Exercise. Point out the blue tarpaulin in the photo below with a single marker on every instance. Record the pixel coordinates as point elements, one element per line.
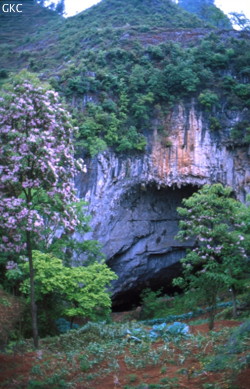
<point>158,331</point>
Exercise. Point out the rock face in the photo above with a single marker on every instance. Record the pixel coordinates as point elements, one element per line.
<point>133,199</point>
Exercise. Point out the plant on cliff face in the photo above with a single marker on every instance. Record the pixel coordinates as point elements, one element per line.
<point>117,94</point>
<point>208,99</point>
<point>218,224</point>
<point>37,168</point>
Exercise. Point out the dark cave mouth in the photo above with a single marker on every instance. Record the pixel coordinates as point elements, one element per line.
<point>130,299</point>
<point>155,220</point>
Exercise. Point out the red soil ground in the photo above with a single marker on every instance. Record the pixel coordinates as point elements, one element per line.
<point>15,371</point>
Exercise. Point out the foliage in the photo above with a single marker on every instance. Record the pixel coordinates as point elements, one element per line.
<point>37,170</point>
<point>206,10</point>
<point>194,5</point>
<point>145,13</point>
<point>216,222</point>
<point>99,351</point>
<point>11,309</point>
<point>57,5</point>
<point>228,354</point>
<point>37,165</point>
<point>64,325</point>
<point>241,128</point>
<point>214,124</point>
<point>81,290</point>
<point>169,318</point>
<point>240,20</point>
<point>235,343</point>
<point>208,99</point>
<point>60,7</point>
<point>151,304</point>
<point>147,82</point>
<point>118,73</point>
<point>158,308</point>
<point>3,73</point>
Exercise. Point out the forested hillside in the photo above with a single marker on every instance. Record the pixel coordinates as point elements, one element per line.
<point>124,183</point>
<point>121,65</point>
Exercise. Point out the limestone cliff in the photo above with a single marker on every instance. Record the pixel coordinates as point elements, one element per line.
<point>133,199</point>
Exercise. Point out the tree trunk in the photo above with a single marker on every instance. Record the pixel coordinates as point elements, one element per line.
<point>212,312</point>
<point>233,292</point>
<point>32,291</point>
<point>211,319</point>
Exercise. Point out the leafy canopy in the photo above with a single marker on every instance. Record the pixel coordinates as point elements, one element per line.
<point>37,169</point>
<point>82,288</point>
<point>37,165</point>
<point>217,224</point>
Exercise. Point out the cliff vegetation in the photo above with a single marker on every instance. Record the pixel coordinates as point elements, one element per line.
<point>123,66</point>
<point>165,88</point>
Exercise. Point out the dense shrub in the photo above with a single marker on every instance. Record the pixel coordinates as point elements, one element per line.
<point>11,309</point>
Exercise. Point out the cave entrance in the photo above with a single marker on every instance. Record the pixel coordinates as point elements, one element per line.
<point>147,254</point>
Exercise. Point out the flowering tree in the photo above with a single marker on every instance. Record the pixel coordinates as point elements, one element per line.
<point>216,221</point>
<point>37,169</point>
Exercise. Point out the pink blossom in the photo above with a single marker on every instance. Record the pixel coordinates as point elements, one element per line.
<point>11,265</point>
<point>32,138</point>
<point>37,158</point>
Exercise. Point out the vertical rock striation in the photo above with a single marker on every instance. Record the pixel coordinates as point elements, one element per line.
<point>133,199</point>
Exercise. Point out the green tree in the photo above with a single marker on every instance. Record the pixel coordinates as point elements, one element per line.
<point>206,10</point>
<point>180,78</point>
<point>37,169</point>
<point>81,290</point>
<point>240,20</point>
<point>194,6</point>
<point>60,7</point>
<point>216,222</point>
<point>208,99</point>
